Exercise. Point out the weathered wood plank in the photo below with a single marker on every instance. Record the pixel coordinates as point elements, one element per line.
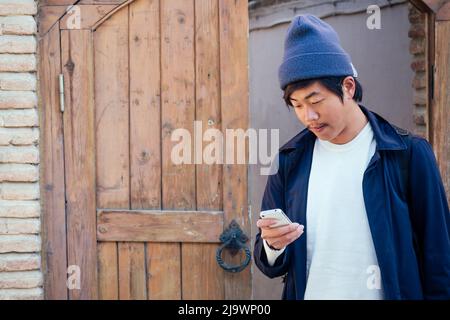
<point>178,105</point>
<point>444,12</point>
<point>427,6</point>
<point>89,15</point>
<point>439,8</point>
<point>132,281</point>
<point>440,111</point>
<point>163,271</point>
<point>77,61</point>
<point>112,129</point>
<point>56,2</point>
<point>112,112</point>
<point>178,110</point>
<point>102,1</point>
<point>145,117</point>
<point>209,176</point>
<point>429,59</point>
<point>108,286</point>
<point>48,18</point>
<point>159,226</point>
<point>234,100</point>
<point>124,4</point>
<point>433,5</point>
<point>54,257</point>
<point>145,105</point>
<point>202,277</point>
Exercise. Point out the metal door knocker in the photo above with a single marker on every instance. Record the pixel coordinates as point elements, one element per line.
<point>233,239</point>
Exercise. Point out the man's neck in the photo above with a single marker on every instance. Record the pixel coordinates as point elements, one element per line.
<point>356,121</point>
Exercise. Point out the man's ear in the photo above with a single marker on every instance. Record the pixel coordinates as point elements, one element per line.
<point>349,87</point>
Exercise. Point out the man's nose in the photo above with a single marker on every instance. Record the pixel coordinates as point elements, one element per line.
<point>311,115</point>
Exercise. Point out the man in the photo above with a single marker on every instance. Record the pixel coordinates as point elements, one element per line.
<point>369,210</point>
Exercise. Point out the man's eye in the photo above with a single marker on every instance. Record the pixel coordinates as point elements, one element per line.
<point>318,102</point>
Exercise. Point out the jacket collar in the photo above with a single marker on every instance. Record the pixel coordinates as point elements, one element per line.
<point>387,136</point>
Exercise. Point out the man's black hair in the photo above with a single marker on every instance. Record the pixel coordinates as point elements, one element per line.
<point>334,84</point>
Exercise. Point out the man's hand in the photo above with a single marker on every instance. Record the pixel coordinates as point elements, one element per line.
<point>281,236</point>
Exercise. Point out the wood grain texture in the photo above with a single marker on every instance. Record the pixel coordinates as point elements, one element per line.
<point>159,65</point>
<point>89,15</point>
<point>112,112</point>
<point>202,277</point>
<point>112,131</point>
<point>145,117</point>
<point>163,271</point>
<point>429,72</point>
<point>132,281</point>
<point>444,12</point>
<point>118,7</point>
<point>145,105</point>
<point>178,99</point>
<point>424,5</point>
<point>178,112</point>
<point>77,61</point>
<point>56,2</point>
<point>162,226</point>
<point>233,27</point>
<point>49,17</point>
<point>108,285</point>
<point>54,259</point>
<point>440,111</point>
<point>102,1</point>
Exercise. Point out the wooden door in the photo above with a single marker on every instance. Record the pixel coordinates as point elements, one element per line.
<point>437,33</point>
<point>136,225</point>
<point>440,112</point>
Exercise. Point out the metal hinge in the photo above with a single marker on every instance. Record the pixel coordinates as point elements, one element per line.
<point>61,92</point>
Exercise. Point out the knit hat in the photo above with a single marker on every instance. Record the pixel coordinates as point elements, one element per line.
<point>312,50</point>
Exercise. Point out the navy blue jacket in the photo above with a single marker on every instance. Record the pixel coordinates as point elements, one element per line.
<point>409,221</point>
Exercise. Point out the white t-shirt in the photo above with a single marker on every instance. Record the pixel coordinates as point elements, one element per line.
<point>341,259</point>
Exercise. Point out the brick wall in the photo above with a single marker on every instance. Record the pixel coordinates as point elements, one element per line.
<point>20,262</point>
<point>418,50</point>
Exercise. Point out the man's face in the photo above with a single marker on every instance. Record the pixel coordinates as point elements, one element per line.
<point>321,111</point>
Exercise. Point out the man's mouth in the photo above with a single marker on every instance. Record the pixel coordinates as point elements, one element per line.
<point>317,128</point>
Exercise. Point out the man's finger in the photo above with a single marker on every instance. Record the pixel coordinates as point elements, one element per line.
<point>279,231</point>
<point>286,238</point>
<point>264,223</point>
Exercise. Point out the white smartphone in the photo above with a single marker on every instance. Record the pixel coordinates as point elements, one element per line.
<point>277,214</point>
